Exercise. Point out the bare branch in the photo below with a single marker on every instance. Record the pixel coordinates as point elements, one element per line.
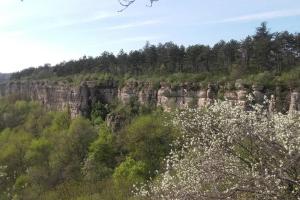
<point>151,2</point>
<point>127,3</point>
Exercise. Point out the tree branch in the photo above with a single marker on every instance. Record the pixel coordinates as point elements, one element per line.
<point>127,3</point>
<point>151,3</point>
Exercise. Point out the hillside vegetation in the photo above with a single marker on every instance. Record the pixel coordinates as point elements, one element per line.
<point>47,155</point>
<point>214,152</point>
<point>217,152</point>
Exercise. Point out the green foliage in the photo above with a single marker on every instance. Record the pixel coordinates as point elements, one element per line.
<point>80,135</point>
<point>148,139</point>
<point>13,146</point>
<point>75,148</point>
<point>129,173</point>
<point>99,112</point>
<point>101,160</point>
<point>102,149</point>
<point>48,155</point>
<point>38,151</point>
<point>263,52</point>
<point>291,77</point>
<point>61,121</point>
<point>13,114</point>
<point>264,78</point>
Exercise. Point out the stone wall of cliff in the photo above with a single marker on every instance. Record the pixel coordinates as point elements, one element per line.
<point>62,96</point>
<point>79,99</point>
<point>4,77</point>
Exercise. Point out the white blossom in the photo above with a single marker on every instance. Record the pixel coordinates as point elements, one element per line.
<point>229,153</point>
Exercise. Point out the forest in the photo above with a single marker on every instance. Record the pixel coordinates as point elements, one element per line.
<point>218,152</point>
<point>48,155</point>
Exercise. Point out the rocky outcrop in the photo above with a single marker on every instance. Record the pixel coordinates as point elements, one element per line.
<point>143,92</point>
<point>116,121</point>
<point>4,77</point>
<point>258,93</point>
<point>78,99</point>
<point>181,96</point>
<point>62,96</point>
<point>295,101</point>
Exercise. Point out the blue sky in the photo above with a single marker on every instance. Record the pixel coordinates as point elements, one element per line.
<point>35,32</point>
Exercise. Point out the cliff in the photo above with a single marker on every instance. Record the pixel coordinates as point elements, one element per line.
<point>61,96</point>
<point>79,99</point>
<point>4,77</point>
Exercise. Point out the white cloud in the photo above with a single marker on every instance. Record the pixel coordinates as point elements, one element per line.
<point>259,16</point>
<point>133,25</point>
<point>70,22</point>
<point>60,22</point>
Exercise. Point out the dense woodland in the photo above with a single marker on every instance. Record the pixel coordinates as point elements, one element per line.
<point>264,52</point>
<point>219,152</point>
<point>46,155</point>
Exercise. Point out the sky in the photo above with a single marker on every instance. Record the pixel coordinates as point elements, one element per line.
<point>36,32</point>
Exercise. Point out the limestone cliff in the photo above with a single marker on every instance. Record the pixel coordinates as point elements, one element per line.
<point>62,96</point>
<point>78,99</point>
<point>4,77</point>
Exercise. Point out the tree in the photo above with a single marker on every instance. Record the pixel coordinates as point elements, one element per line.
<point>148,139</point>
<point>13,147</point>
<point>246,52</point>
<point>70,149</point>
<point>264,51</point>
<point>129,173</point>
<point>136,58</point>
<point>101,159</point>
<point>218,56</point>
<point>123,63</point>
<point>284,47</point>
<point>229,153</point>
<point>197,58</point>
<point>151,56</point>
<point>263,47</point>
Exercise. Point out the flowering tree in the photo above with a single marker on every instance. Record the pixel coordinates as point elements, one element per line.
<point>229,153</point>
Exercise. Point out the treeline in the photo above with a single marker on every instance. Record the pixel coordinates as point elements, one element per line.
<point>264,51</point>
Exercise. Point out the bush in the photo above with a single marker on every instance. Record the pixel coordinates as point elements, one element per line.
<point>148,139</point>
<point>101,159</point>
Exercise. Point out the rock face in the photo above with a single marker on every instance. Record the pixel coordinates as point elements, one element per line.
<point>4,77</point>
<point>78,100</point>
<point>61,96</point>
<point>295,101</point>
<point>143,92</point>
